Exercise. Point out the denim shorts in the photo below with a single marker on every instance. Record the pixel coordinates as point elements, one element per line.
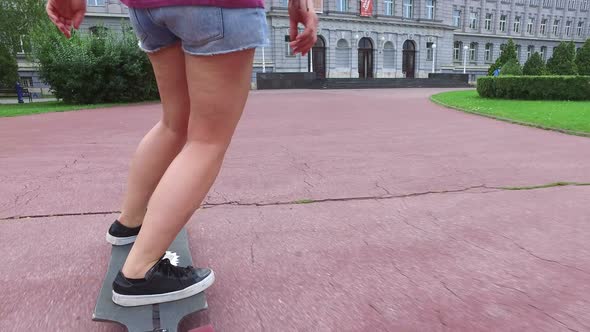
<point>202,30</point>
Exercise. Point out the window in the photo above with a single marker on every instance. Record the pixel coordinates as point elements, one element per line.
<point>518,52</point>
<point>389,7</point>
<point>580,28</point>
<point>474,20</point>
<point>529,51</point>
<point>318,5</point>
<point>568,28</point>
<point>543,52</point>
<point>473,52</point>
<point>408,8</point>
<point>343,54</point>
<point>457,50</point>
<point>503,23</point>
<point>26,81</point>
<point>530,27</point>
<point>430,7</point>
<point>96,3</point>
<point>488,24</point>
<point>342,5</point>
<point>516,27</point>
<point>457,18</point>
<point>555,27</point>
<point>489,52</point>
<point>388,55</point>
<point>99,31</point>
<point>543,28</point>
<point>288,49</point>
<point>429,51</point>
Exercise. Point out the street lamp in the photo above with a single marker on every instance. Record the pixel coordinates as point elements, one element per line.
<point>433,57</point>
<point>466,48</point>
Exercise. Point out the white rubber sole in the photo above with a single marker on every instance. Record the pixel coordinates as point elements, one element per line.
<point>120,241</point>
<point>137,300</point>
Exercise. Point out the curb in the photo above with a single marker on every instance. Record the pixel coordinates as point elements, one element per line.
<point>522,123</point>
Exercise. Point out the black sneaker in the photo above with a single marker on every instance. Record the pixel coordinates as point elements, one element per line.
<point>120,235</point>
<point>164,282</point>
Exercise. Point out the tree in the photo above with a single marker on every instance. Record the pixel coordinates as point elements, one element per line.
<point>512,67</point>
<point>18,18</point>
<point>535,66</point>
<point>563,60</point>
<point>583,59</point>
<point>8,68</point>
<point>508,53</point>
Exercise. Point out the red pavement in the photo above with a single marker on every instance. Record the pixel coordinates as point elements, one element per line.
<point>462,258</point>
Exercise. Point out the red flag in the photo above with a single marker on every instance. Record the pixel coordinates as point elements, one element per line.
<point>366,7</point>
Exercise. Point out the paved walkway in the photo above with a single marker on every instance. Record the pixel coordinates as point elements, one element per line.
<point>26,100</point>
<point>409,230</point>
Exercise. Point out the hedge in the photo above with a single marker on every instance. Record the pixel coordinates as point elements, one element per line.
<point>105,67</point>
<point>535,87</point>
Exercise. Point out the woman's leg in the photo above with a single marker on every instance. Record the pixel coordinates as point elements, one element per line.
<point>165,140</point>
<point>218,88</point>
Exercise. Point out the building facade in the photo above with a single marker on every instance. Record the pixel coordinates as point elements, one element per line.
<point>399,38</point>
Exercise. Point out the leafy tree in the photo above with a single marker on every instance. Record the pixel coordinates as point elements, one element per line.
<point>563,60</point>
<point>17,19</point>
<point>508,53</point>
<point>512,67</point>
<point>583,59</point>
<point>535,66</point>
<point>8,68</point>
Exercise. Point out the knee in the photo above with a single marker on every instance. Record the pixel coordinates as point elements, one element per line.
<point>215,131</point>
<point>175,128</point>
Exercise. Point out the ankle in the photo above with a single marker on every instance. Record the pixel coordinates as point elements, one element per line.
<point>137,271</point>
<point>129,221</point>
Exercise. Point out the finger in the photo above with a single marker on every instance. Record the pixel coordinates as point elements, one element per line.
<point>53,17</point>
<point>78,18</point>
<point>306,44</point>
<point>293,30</point>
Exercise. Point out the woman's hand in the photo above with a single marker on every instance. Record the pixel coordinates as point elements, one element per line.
<point>302,11</point>
<point>66,14</point>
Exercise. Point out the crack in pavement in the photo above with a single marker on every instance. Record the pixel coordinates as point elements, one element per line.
<point>440,318</point>
<point>206,205</point>
<point>450,290</point>
<point>553,318</point>
<point>542,258</point>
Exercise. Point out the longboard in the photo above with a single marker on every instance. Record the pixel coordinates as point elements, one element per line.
<point>163,317</point>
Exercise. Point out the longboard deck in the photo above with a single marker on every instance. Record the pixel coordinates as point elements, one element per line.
<point>163,317</point>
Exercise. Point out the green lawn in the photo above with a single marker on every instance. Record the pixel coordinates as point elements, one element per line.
<point>568,116</point>
<point>8,110</point>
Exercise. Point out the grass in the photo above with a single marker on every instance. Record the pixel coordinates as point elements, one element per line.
<point>11,110</point>
<point>304,201</point>
<point>572,117</point>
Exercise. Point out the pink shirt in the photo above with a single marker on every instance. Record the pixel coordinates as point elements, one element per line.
<point>216,3</point>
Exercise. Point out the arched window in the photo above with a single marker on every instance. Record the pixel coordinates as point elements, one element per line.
<point>388,55</point>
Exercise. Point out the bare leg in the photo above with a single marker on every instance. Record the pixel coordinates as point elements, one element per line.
<point>218,87</point>
<point>159,147</point>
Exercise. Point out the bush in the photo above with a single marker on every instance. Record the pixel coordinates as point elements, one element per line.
<point>8,68</point>
<point>535,87</point>
<point>508,53</point>
<point>535,66</point>
<point>563,60</point>
<point>95,68</point>
<point>583,59</point>
<point>512,67</point>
